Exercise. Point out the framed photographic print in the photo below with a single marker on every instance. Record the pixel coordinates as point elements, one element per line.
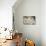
<point>29,20</point>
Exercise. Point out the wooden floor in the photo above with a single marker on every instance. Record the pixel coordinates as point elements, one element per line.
<point>9,43</point>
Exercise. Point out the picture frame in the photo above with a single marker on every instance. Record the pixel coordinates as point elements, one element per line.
<point>29,20</point>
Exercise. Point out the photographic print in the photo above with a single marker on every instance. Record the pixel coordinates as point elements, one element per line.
<point>29,20</point>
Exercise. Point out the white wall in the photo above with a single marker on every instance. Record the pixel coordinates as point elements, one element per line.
<point>29,8</point>
<point>43,22</point>
<point>6,13</point>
